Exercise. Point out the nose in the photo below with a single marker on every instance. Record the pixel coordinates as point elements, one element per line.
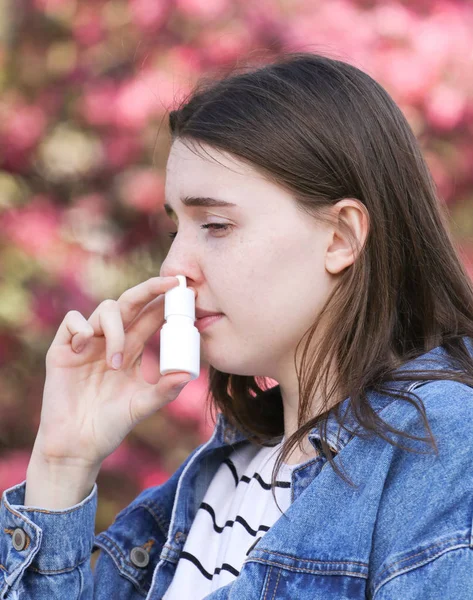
<point>177,265</point>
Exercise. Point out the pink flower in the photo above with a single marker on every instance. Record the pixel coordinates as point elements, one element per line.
<point>143,189</point>
<point>339,26</point>
<point>121,148</point>
<point>92,207</point>
<point>225,45</point>
<point>153,477</point>
<point>393,20</point>
<point>13,467</point>
<point>87,25</point>
<point>23,127</point>
<point>208,10</point>
<point>440,175</point>
<point>97,104</point>
<point>35,227</point>
<point>189,405</point>
<point>50,5</point>
<point>120,459</point>
<point>149,14</point>
<point>182,59</point>
<point>445,106</point>
<point>140,461</point>
<point>405,74</point>
<point>134,104</point>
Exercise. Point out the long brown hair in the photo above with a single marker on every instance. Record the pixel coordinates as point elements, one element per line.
<point>325,130</point>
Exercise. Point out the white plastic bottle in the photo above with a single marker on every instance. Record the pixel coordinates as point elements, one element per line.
<point>180,339</point>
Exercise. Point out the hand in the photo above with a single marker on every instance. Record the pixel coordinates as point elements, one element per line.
<point>88,406</point>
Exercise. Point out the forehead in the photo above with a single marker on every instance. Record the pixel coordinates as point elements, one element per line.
<point>190,168</point>
<point>201,171</point>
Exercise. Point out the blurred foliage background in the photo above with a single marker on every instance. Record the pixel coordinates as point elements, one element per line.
<point>85,87</point>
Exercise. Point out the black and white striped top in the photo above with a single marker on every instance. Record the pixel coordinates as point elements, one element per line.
<point>237,509</point>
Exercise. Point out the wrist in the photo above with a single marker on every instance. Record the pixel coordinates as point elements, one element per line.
<point>57,485</point>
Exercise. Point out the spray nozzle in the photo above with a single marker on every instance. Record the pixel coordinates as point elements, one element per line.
<point>180,300</point>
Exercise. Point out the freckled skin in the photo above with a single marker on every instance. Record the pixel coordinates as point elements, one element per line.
<point>269,273</point>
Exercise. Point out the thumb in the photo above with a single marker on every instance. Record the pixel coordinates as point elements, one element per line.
<point>158,395</point>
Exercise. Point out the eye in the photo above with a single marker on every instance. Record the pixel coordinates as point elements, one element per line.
<point>213,226</point>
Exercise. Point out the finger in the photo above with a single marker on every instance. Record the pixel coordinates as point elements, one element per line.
<point>106,320</point>
<point>158,395</point>
<point>74,330</point>
<point>147,323</point>
<point>133,300</point>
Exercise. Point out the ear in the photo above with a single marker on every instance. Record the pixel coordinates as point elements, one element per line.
<point>352,214</point>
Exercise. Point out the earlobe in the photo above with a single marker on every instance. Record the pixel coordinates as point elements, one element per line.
<point>339,259</point>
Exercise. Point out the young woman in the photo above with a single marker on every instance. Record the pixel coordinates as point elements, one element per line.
<point>306,220</point>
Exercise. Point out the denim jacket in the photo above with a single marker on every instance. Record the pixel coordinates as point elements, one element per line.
<point>402,532</point>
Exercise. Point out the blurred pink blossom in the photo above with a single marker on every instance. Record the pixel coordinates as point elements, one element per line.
<point>121,148</point>
<point>440,174</point>
<point>190,402</point>
<point>150,93</point>
<point>49,100</point>
<point>22,127</point>
<point>143,189</point>
<point>141,462</point>
<point>149,14</point>
<point>339,27</point>
<point>403,71</point>
<point>225,45</point>
<point>119,459</point>
<point>50,305</point>
<point>152,477</point>
<point>97,103</point>
<point>92,206</point>
<point>392,19</point>
<point>13,467</point>
<point>87,25</point>
<point>208,10</point>
<point>445,106</point>
<point>44,313</point>
<point>189,405</point>
<point>35,227</point>
<point>50,5</point>
<point>445,32</point>
<point>464,158</point>
<point>10,346</point>
<point>185,60</point>
<point>134,104</point>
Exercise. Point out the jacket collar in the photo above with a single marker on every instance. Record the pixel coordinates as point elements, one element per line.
<point>337,437</point>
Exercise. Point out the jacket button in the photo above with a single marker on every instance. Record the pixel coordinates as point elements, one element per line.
<point>139,557</point>
<point>19,539</point>
<point>179,536</point>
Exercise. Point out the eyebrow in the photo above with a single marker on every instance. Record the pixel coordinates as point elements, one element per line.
<point>199,201</point>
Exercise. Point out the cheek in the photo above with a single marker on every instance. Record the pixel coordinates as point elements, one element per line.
<point>279,277</point>
<point>289,281</point>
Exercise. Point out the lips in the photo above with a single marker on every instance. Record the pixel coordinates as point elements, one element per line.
<point>200,313</point>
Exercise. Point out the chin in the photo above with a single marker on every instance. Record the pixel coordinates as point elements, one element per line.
<point>229,366</point>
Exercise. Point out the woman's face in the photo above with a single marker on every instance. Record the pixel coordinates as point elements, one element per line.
<point>265,272</point>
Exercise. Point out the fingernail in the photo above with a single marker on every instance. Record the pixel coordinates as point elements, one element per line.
<point>182,384</point>
<point>117,360</point>
<point>80,348</point>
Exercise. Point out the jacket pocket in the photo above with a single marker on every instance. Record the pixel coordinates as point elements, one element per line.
<point>288,576</point>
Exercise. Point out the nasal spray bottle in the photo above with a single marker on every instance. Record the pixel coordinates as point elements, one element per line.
<point>180,339</point>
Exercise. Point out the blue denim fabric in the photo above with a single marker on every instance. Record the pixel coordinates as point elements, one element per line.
<point>403,533</point>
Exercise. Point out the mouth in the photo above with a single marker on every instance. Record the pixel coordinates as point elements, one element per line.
<point>200,313</point>
<point>208,320</point>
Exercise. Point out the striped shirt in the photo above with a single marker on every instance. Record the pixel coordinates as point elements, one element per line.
<point>237,509</point>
